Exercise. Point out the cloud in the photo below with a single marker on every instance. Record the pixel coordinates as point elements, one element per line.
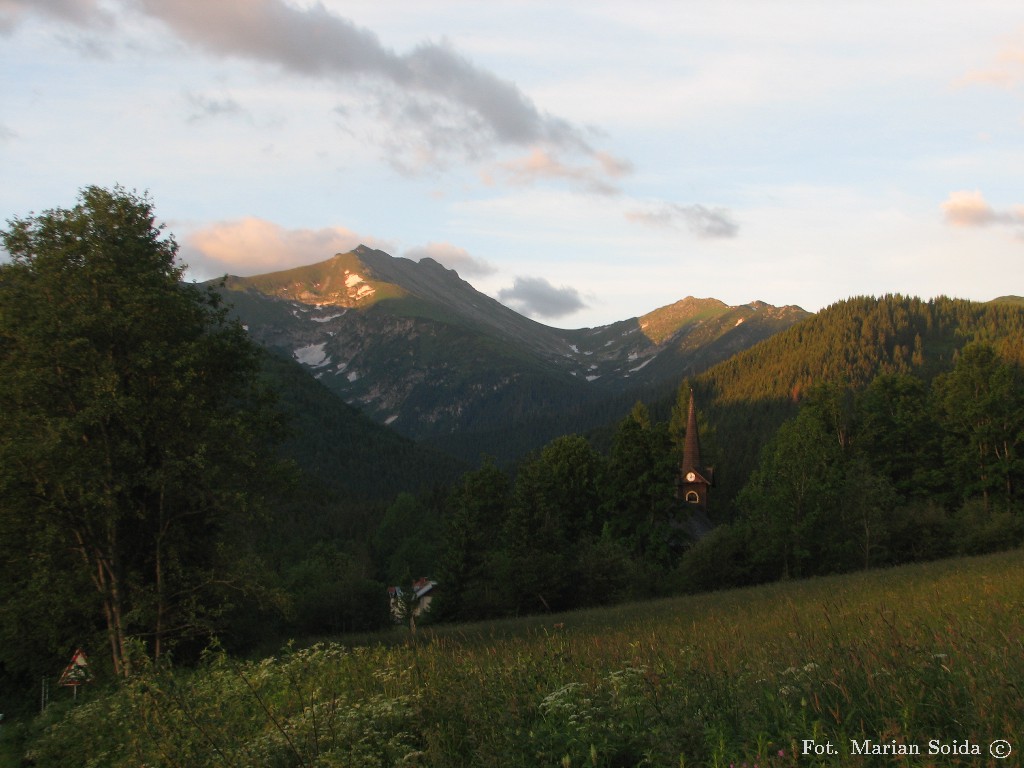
<point>1007,70</point>
<point>699,219</point>
<point>452,257</point>
<point>435,98</point>
<point>6,134</point>
<point>969,209</point>
<point>438,106</point>
<point>536,297</point>
<point>255,245</point>
<point>81,13</point>
<point>203,107</point>
<point>542,163</point>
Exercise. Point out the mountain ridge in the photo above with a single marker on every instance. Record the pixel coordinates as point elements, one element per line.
<point>416,347</point>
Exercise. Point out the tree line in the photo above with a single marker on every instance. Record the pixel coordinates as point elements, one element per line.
<point>900,470</point>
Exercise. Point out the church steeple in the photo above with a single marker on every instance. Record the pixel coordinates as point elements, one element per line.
<point>691,448</point>
<point>694,478</point>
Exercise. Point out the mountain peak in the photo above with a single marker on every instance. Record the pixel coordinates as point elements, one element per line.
<point>418,348</point>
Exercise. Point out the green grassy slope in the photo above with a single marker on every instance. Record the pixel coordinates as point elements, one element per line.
<point>927,657</point>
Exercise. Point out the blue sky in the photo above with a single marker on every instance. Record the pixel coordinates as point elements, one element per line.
<point>583,162</point>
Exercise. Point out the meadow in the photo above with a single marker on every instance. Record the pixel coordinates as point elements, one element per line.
<point>926,658</point>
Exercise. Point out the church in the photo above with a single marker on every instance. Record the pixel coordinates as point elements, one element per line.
<point>695,480</point>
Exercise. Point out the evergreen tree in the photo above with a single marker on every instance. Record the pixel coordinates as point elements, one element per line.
<point>792,498</point>
<point>897,435</point>
<point>981,409</point>
<point>472,555</point>
<point>554,506</point>
<point>638,495</point>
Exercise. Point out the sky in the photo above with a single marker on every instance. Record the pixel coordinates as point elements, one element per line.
<point>581,161</point>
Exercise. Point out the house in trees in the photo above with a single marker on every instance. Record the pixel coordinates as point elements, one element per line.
<point>694,479</point>
<point>416,599</point>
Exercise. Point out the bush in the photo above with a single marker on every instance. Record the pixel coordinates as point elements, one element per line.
<point>719,560</point>
<point>981,530</point>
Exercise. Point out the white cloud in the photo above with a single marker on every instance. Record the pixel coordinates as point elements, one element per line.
<point>967,208</point>
<point>434,107</point>
<point>252,245</point>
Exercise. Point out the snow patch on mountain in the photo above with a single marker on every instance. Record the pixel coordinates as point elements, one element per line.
<point>352,280</point>
<point>643,364</point>
<point>312,355</point>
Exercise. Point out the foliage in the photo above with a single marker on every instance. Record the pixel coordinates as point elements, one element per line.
<point>905,655</point>
<point>346,454</point>
<point>573,528</point>
<point>408,541</point>
<point>900,471</point>
<point>792,496</point>
<point>638,500</point>
<point>848,344</point>
<point>553,506</point>
<point>331,594</point>
<point>981,409</point>
<point>473,531</point>
<point>133,433</point>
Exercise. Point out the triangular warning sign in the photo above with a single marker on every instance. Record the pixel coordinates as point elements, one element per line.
<point>77,672</point>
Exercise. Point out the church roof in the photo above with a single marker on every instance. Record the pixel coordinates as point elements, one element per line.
<point>691,448</point>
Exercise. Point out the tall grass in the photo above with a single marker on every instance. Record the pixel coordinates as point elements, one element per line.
<point>897,657</point>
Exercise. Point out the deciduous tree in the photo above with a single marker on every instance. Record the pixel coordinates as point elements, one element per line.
<point>132,431</point>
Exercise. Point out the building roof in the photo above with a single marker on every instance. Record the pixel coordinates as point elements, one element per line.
<point>691,448</point>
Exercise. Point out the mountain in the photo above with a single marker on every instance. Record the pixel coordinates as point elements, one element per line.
<point>344,451</point>
<point>1008,300</point>
<point>417,348</point>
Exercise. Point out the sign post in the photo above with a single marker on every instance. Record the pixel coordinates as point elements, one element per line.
<point>76,673</point>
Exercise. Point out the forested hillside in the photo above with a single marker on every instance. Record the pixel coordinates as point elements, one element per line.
<point>849,343</point>
<point>344,451</point>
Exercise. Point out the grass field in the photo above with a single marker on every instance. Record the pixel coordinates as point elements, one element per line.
<point>927,658</point>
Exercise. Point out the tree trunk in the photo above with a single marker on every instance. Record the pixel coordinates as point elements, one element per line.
<point>104,577</point>
<point>110,591</point>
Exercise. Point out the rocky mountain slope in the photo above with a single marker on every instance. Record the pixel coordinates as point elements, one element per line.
<point>414,346</point>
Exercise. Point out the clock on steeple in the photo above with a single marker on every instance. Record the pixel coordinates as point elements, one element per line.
<point>695,479</point>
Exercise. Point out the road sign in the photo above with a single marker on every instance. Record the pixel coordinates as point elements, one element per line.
<point>77,672</point>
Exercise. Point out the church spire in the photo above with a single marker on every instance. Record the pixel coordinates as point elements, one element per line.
<point>691,448</point>
<point>694,478</point>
